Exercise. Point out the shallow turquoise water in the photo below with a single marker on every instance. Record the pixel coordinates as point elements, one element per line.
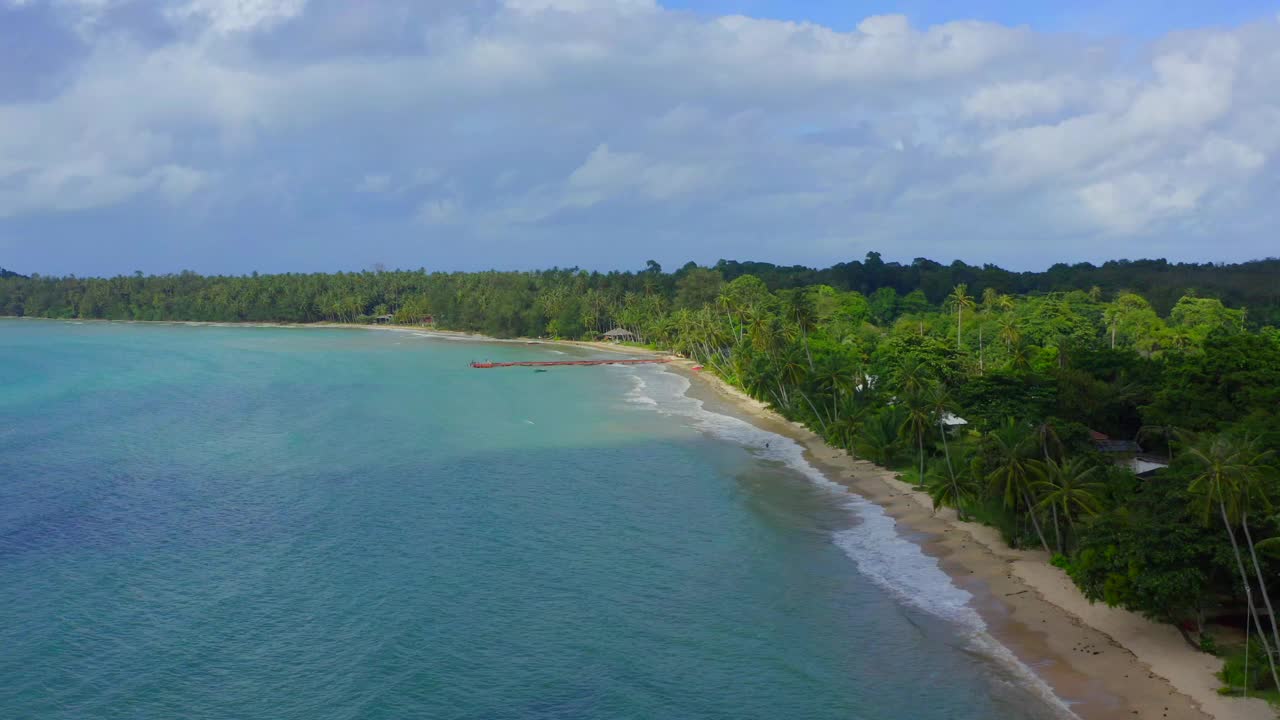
<point>201,522</point>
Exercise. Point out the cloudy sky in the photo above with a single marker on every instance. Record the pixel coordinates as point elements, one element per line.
<point>274,135</point>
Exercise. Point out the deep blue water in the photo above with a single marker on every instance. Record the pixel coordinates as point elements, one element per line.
<point>249,523</point>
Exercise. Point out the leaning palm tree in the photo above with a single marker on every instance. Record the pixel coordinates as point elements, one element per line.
<point>1229,480</point>
<point>1069,488</point>
<point>1011,476</point>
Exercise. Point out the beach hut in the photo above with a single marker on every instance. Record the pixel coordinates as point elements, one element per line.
<point>620,335</point>
<point>383,319</point>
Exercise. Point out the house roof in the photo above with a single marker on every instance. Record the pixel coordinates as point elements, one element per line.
<point>1117,446</point>
<point>619,332</point>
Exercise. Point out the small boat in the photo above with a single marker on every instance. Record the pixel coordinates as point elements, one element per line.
<point>538,370</point>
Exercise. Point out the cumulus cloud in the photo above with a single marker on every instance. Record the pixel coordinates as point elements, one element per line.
<point>560,122</point>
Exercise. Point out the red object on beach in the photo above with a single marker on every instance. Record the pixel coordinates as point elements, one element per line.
<point>697,367</point>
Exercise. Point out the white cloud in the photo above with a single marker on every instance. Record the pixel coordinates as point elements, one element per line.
<point>438,211</point>
<point>239,15</point>
<point>550,115</point>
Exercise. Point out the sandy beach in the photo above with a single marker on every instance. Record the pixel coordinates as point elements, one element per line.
<point>1107,663</point>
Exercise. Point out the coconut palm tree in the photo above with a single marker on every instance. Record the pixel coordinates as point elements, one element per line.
<point>800,310</point>
<point>1229,480</point>
<point>879,439</point>
<point>960,300</point>
<point>791,372</point>
<point>916,422</point>
<point>830,376</point>
<point>947,489</point>
<point>1009,332</point>
<point>1011,477</point>
<point>1068,487</point>
<point>913,377</point>
<point>1020,360</point>
<point>940,401</point>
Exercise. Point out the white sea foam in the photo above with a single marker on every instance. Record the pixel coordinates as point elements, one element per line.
<point>880,553</point>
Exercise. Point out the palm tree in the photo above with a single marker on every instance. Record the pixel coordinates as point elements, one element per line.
<point>1067,486</point>
<point>1020,360</point>
<point>959,299</point>
<point>940,401</point>
<point>1011,477</point>
<point>791,370</point>
<point>830,376</point>
<point>879,438</point>
<point>801,311</point>
<point>1229,481</point>
<point>913,376</point>
<point>1047,434</point>
<point>990,299</point>
<point>1009,332</point>
<point>946,489</point>
<point>916,423</point>
<point>1111,316</point>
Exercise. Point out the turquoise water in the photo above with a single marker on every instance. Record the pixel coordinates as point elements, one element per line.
<point>203,522</point>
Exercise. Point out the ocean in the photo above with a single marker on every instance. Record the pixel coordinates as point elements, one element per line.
<point>278,524</point>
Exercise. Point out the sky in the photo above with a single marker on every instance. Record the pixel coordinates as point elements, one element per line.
<point>231,136</point>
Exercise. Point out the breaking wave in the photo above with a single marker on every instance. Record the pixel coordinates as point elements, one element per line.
<point>873,543</point>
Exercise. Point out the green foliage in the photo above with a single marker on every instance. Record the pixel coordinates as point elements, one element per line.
<point>1243,670</point>
<point>1150,554</point>
<point>1233,376</point>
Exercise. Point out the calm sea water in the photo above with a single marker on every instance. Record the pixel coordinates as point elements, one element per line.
<point>203,522</point>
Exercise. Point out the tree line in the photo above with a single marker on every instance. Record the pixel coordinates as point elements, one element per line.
<point>1020,400</point>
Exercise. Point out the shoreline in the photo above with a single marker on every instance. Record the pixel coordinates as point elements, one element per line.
<point>1105,663</point>
<point>416,329</point>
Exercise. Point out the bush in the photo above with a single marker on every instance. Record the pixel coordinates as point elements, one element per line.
<point>1235,677</point>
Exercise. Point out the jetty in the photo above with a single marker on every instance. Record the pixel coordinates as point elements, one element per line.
<point>570,363</point>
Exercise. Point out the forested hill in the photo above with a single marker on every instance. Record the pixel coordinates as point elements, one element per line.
<point>1252,284</point>
<point>892,288</point>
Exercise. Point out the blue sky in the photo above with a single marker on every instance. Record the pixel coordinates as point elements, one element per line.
<point>302,135</point>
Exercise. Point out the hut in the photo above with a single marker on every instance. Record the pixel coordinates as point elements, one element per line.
<point>1127,453</point>
<point>384,319</point>
<point>620,335</point>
